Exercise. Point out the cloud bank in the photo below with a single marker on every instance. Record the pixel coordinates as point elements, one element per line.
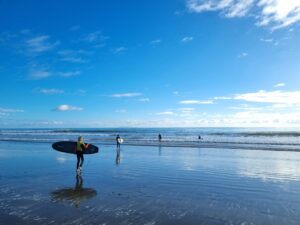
<point>273,13</point>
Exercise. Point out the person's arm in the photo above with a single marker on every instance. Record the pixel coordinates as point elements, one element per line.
<point>84,146</point>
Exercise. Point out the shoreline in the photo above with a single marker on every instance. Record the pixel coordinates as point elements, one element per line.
<point>235,146</point>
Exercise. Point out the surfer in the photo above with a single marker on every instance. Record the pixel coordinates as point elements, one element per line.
<point>80,147</point>
<point>159,137</point>
<point>199,137</point>
<point>118,140</point>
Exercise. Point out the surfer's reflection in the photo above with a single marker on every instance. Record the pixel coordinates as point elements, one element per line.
<point>118,157</point>
<point>74,196</point>
<point>159,150</point>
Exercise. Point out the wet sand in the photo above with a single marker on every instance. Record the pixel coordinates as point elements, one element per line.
<point>149,185</point>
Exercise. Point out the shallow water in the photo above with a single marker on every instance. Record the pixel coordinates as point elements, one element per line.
<point>148,185</point>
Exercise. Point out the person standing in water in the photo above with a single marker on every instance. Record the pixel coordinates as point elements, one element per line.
<point>159,137</point>
<point>80,147</point>
<point>118,140</point>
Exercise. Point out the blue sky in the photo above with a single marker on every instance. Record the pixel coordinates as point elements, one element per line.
<point>154,63</point>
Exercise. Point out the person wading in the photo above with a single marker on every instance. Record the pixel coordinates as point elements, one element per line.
<point>159,137</point>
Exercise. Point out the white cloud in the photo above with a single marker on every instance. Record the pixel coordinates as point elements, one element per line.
<point>166,113</point>
<point>238,119</point>
<point>231,8</point>
<point>274,13</point>
<point>121,110</point>
<point>40,44</point>
<point>74,56</point>
<point>68,108</point>
<point>265,118</point>
<point>279,85</point>
<point>51,91</point>
<point>144,100</point>
<point>242,55</point>
<point>222,98</point>
<point>155,42</point>
<point>69,74</point>
<point>246,107</point>
<point>80,92</point>
<point>281,13</point>
<point>126,95</point>
<point>241,8</point>
<point>194,102</point>
<point>120,50</point>
<point>6,110</point>
<point>39,74</point>
<point>268,40</point>
<point>287,98</point>
<point>95,37</point>
<point>73,59</point>
<point>186,109</point>
<point>12,123</point>
<point>187,39</point>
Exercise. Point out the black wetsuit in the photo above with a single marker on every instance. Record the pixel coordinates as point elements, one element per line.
<point>80,158</point>
<point>159,137</point>
<point>118,141</point>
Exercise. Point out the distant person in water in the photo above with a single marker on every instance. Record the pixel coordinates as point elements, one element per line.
<point>199,137</point>
<point>118,140</point>
<point>80,147</point>
<point>159,137</point>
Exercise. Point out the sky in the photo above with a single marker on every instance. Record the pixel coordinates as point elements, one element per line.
<point>171,63</point>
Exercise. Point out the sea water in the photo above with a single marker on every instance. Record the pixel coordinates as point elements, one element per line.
<point>242,138</point>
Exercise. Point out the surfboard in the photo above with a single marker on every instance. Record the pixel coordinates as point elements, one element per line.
<point>70,147</point>
<point>121,140</point>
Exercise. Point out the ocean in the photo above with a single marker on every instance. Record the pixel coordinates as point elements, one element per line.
<point>218,180</point>
<point>242,138</point>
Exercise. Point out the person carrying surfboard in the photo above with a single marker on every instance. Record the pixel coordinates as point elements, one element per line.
<point>118,140</point>
<point>80,147</point>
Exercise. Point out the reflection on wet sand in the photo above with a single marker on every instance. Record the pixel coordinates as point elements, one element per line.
<point>74,196</point>
<point>118,157</point>
<point>278,166</point>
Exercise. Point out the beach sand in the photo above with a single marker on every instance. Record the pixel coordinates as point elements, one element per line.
<point>148,185</point>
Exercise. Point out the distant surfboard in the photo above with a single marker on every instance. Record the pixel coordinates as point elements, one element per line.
<point>121,140</point>
<point>70,147</point>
